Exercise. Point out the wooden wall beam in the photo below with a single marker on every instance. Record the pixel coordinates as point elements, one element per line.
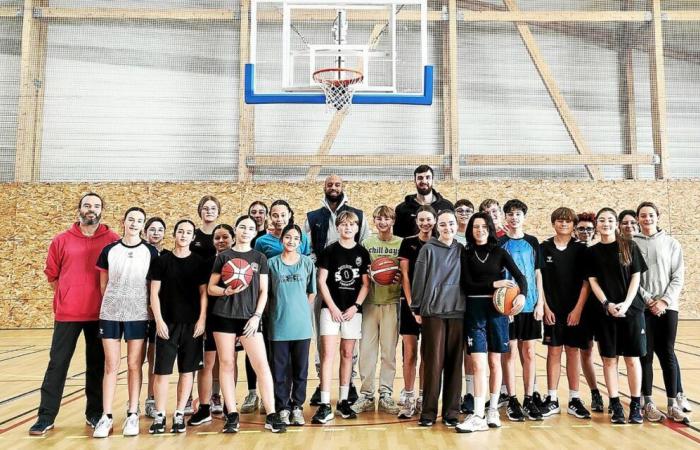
<point>558,160</point>
<point>554,16</point>
<point>137,13</point>
<point>380,160</point>
<point>627,103</point>
<point>453,82</point>
<point>658,91</point>
<point>31,95</point>
<point>550,83</point>
<point>246,112</point>
<point>8,11</point>
<point>682,15</point>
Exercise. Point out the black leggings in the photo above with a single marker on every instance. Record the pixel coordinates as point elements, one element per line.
<point>661,339</point>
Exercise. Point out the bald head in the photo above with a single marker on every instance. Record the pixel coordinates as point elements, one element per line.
<point>333,188</point>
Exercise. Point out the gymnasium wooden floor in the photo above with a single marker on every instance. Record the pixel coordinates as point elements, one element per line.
<point>24,353</point>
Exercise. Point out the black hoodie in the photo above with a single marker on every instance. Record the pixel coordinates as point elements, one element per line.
<point>405,223</point>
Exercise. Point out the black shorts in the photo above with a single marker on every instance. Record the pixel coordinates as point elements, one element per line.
<point>561,334</point>
<point>151,332</point>
<point>188,350</point>
<point>625,336</point>
<point>209,341</point>
<point>131,330</point>
<point>590,317</point>
<point>485,328</point>
<point>231,326</point>
<point>407,323</point>
<point>524,327</point>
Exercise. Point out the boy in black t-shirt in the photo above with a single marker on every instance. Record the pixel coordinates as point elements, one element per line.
<point>343,283</point>
<point>566,291</point>
<point>179,304</point>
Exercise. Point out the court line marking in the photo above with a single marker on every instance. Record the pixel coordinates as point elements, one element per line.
<point>334,429</point>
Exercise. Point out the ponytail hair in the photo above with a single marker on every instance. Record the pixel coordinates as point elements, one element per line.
<point>624,246</point>
<point>285,204</point>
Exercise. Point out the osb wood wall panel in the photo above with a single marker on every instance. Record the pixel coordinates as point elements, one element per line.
<point>31,214</point>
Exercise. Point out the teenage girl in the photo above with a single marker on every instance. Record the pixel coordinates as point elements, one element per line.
<point>628,224</point>
<point>155,232</point>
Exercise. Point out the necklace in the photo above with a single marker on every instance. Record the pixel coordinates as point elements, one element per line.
<point>482,261</point>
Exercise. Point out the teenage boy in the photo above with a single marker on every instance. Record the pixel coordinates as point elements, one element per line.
<point>405,223</point>
<point>380,320</point>
<point>566,292</point>
<point>343,284</point>
<point>493,208</point>
<point>179,303</point>
<point>526,328</point>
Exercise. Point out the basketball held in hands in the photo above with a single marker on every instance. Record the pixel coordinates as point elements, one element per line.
<point>237,272</point>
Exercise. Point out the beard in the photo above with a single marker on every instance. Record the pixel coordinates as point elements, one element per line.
<point>332,197</point>
<point>424,190</point>
<point>85,220</point>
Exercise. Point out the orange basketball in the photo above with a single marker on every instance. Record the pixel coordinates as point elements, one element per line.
<point>383,270</point>
<point>237,272</point>
<point>503,300</point>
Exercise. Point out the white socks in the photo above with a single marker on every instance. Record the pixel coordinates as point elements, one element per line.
<point>479,407</point>
<point>344,390</point>
<point>494,401</point>
<point>470,384</point>
<point>552,393</point>
<point>325,397</point>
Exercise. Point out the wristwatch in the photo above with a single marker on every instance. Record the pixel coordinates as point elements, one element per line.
<point>358,306</point>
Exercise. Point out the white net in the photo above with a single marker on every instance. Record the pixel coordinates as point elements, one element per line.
<point>338,85</point>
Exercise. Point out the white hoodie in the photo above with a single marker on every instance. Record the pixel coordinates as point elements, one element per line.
<point>664,277</point>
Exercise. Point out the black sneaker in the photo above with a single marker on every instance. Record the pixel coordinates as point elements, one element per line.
<point>323,415</point>
<point>537,400</point>
<point>467,406</point>
<point>345,411</point>
<point>203,415</point>
<point>424,422</point>
<point>40,427</point>
<point>92,421</point>
<point>158,425</point>
<point>532,412</point>
<point>577,409</point>
<point>178,423</point>
<point>596,402</point>
<point>352,395</point>
<point>549,407</point>
<point>635,413</point>
<point>618,413</point>
<point>232,423</point>
<point>274,423</point>
<point>450,422</point>
<point>514,411</point>
<point>316,398</point>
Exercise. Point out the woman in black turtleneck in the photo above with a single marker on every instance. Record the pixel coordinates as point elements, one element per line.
<point>486,330</point>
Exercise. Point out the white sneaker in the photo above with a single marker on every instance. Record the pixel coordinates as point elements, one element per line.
<point>676,414</point>
<point>683,402</point>
<point>402,398</point>
<point>493,419</point>
<point>652,413</point>
<point>284,416</point>
<point>298,416</point>
<point>408,409</point>
<point>131,425</point>
<point>471,424</point>
<point>103,427</point>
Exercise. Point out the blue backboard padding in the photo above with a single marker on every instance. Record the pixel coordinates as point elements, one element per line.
<point>358,99</point>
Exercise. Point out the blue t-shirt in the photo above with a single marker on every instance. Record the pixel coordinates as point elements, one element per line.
<point>525,252</point>
<point>290,312</point>
<point>270,245</point>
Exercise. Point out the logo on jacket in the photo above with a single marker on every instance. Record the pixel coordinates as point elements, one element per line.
<point>549,259</point>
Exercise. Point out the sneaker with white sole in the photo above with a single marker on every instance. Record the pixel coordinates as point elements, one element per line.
<point>550,407</point>
<point>471,424</point>
<point>408,409</point>
<point>131,425</point>
<point>493,418</point>
<point>217,406</point>
<point>284,416</point>
<point>402,397</point>
<point>297,416</point>
<point>178,423</point>
<point>419,404</point>
<point>150,407</point>
<point>189,410</point>
<point>676,414</point>
<point>577,409</point>
<point>365,404</point>
<point>652,413</point>
<point>683,402</point>
<point>158,425</point>
<point>250,403</point>
<point>387,405</point>
<point>103,427</point>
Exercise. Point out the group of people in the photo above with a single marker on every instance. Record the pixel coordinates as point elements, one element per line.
<point>614,279</point>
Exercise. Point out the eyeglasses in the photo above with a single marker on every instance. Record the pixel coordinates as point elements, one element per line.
<point>464,210</point>
<point>585,229</point>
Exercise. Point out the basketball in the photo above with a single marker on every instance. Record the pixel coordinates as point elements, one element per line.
<point>237,272</point>
<point>383,270</point>
<point>503,300</point>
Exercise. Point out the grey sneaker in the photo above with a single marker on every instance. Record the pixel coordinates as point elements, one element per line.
<point>676,414</point>
<point>408,409</point>
<point>284,416</point>
<point>364,404</point>
<point>250,404</point>
<point>419,404</point>
<point>683,402</point>
<point>217,406</point>
<point>188,407</point>
<point>298,416</point>
<point>652,413</point>
<point>150,407</point>
<point>387,405</point>
<point>402,398</point>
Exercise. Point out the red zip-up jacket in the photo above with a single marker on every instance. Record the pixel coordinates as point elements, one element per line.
<point>71,263</point>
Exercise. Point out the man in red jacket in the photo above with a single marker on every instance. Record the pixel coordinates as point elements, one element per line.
<point>71,271</point>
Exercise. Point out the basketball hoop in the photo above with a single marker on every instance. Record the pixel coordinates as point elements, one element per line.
<point>338,84</point>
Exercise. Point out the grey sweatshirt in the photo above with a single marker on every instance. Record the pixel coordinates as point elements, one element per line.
<point>435,288</point>
<point>664,278</point>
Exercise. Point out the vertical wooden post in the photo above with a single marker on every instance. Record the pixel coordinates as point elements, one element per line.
<point>628,114</point>
<point>658,91</point>
<point>246,113</point>
<point>31,94</point>
<point>452,80</point>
